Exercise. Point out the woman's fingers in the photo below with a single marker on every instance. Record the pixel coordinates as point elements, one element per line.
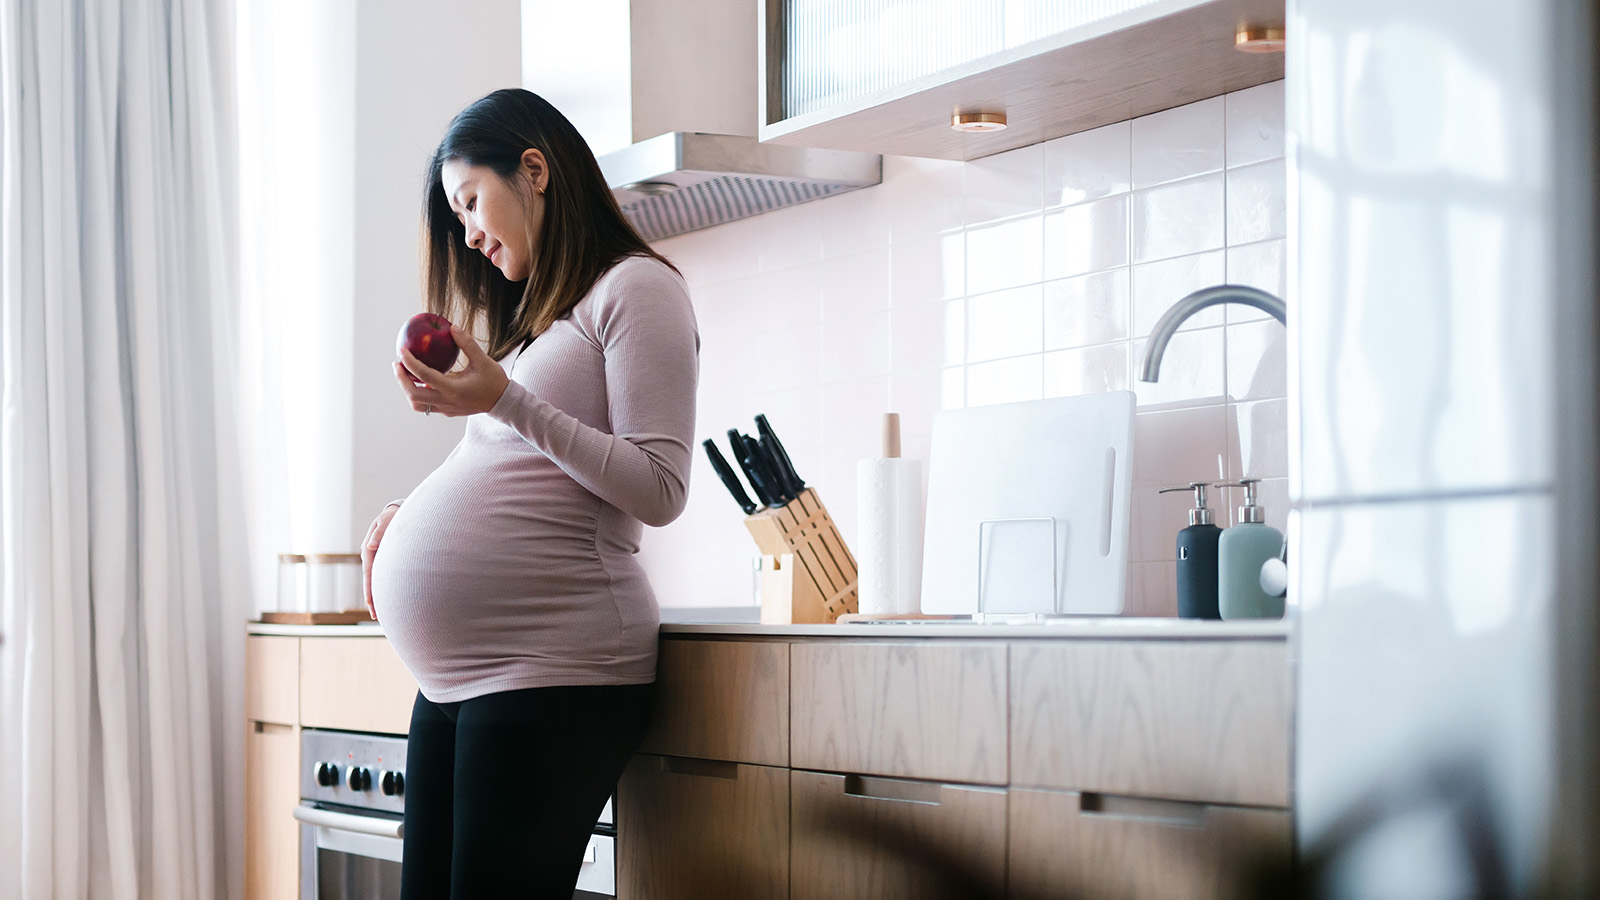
<point>422,397</point>
<point>418,368</point>
<point>369,552</point>
<point>469,345</point>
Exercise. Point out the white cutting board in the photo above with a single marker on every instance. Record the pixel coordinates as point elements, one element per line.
<point>1028,507</point>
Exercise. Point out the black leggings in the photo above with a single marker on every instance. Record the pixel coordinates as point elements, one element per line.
<point>503,790</point>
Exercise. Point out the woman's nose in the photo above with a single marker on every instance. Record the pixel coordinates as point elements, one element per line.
<point>474,237</point>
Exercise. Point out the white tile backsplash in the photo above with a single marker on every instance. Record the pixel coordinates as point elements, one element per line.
<point>1006,323</point>
<point>1179,218</point>
<point>1088,165</point>
<point>1089,309</point>
<point>1032,273</point>
<point>1005,255</point>
<point>1088,237</point>
<point>1178,143</point>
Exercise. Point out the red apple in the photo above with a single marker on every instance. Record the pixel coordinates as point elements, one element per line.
<point>427,336</point>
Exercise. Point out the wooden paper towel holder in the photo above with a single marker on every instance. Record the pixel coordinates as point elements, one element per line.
<point>807,575</point>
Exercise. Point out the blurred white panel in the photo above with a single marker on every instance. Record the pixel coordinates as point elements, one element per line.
<point>1425,640</point>
<point>576,56</point>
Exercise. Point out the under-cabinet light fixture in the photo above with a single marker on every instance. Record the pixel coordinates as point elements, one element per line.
<point>978,122</point>
<point>1259,39</point>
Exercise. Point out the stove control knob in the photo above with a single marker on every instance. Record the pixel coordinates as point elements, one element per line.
<point>393,784</point>
<point>327,774</point>
<point>359,779</point>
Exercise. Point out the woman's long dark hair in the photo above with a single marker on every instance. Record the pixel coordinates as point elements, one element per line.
<point>584,232</point>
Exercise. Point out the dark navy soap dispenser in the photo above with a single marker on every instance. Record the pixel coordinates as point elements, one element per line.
<point>1197,559</point>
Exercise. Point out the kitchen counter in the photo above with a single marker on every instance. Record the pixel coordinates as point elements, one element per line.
<point>1108,628</point>
<point>713,623</point>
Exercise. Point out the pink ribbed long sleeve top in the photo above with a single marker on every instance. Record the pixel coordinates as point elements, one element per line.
<point>513,564</point>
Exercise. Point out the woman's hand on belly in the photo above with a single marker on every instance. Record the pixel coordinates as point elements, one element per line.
<point>476,388</point>
<point>369,550</point>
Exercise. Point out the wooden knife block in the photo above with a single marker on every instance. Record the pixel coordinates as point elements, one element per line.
<point>807,573</point>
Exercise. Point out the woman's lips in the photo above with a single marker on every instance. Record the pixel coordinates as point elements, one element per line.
<point>493,253</point>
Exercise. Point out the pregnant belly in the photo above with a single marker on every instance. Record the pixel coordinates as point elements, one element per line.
<point>470,551</point>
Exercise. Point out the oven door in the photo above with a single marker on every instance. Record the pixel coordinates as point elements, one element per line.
<point>348,856</point>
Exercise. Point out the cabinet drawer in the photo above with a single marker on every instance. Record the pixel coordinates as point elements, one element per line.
<point>272,679</point>
<point>1099,846</point>
<point>856,836</point>
<point>355,683</point>
<point>694,828</point>
<point>722,700</point>
<point>1181,720</point>
<point>927,710</point>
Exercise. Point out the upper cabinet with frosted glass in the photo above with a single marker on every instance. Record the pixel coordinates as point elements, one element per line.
<point>887,76</point>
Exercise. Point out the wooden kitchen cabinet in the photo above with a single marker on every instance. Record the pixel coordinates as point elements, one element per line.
<point>1031,767</point>
<point>271,792</point>
<point>697,829</point>
<point>1098,847</point>
<point>889,839</point>
<point>272,679</point>
<point>1147,58</point>
<point>354,683</point>
<point>931,710</point>
<point>1174,720</point>
<point>725,700</point>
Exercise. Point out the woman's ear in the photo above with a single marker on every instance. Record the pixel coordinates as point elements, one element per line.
<point>534,164</point>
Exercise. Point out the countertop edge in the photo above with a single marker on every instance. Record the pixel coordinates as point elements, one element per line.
<point>1096,629</point>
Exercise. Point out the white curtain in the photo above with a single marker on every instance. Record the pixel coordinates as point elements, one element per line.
<point>125,587</point>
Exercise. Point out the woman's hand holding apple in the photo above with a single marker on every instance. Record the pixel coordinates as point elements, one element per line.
<point>473,389</point>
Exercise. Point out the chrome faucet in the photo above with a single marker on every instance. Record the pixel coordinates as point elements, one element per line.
<point>1188,306</point>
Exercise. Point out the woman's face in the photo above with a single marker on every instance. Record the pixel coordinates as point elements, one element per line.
<point>500,214</point>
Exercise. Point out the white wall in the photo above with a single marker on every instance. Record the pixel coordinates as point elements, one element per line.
<point>418,63</point>
<point>1037,272</point>
<point>341,103</point>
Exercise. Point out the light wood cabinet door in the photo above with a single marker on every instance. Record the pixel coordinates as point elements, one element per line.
<point>354,683</point>
<point>271,792</point>
<point>1100,847</point>
<point>272,679</point>
<point>702,830</point>
<point>911,709</point>
<point>1179,720</point>
<point>724,700</point>
<point>857,836</point>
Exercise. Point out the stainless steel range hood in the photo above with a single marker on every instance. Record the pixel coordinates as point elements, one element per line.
<point>683,181</point>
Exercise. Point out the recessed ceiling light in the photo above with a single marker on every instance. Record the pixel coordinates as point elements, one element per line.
<point>978,122</point>
<point>1259,40</point>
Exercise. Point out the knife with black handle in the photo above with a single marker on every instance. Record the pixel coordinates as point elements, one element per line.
<point>756,469</point>
<point>795,483</point>
<point>758,481</point>
<point>725,472</point>
<point>769,457</point>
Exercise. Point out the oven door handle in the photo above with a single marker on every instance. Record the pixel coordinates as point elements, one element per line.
<point>350,822</point>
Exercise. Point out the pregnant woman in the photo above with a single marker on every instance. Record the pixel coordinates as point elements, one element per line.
<point>507,581</point>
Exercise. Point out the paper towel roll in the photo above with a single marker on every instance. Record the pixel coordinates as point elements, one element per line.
<point>889,536</point>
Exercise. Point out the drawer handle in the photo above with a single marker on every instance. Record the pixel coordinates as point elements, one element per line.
<point>1141,809</point>
<point>700,768</point>
<point>892,789</point>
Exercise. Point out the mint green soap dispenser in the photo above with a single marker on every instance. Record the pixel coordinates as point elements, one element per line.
<point>1241,551</point>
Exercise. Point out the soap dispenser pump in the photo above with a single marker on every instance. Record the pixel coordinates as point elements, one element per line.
<point>1197,558</point>
<point>1241,551</point>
